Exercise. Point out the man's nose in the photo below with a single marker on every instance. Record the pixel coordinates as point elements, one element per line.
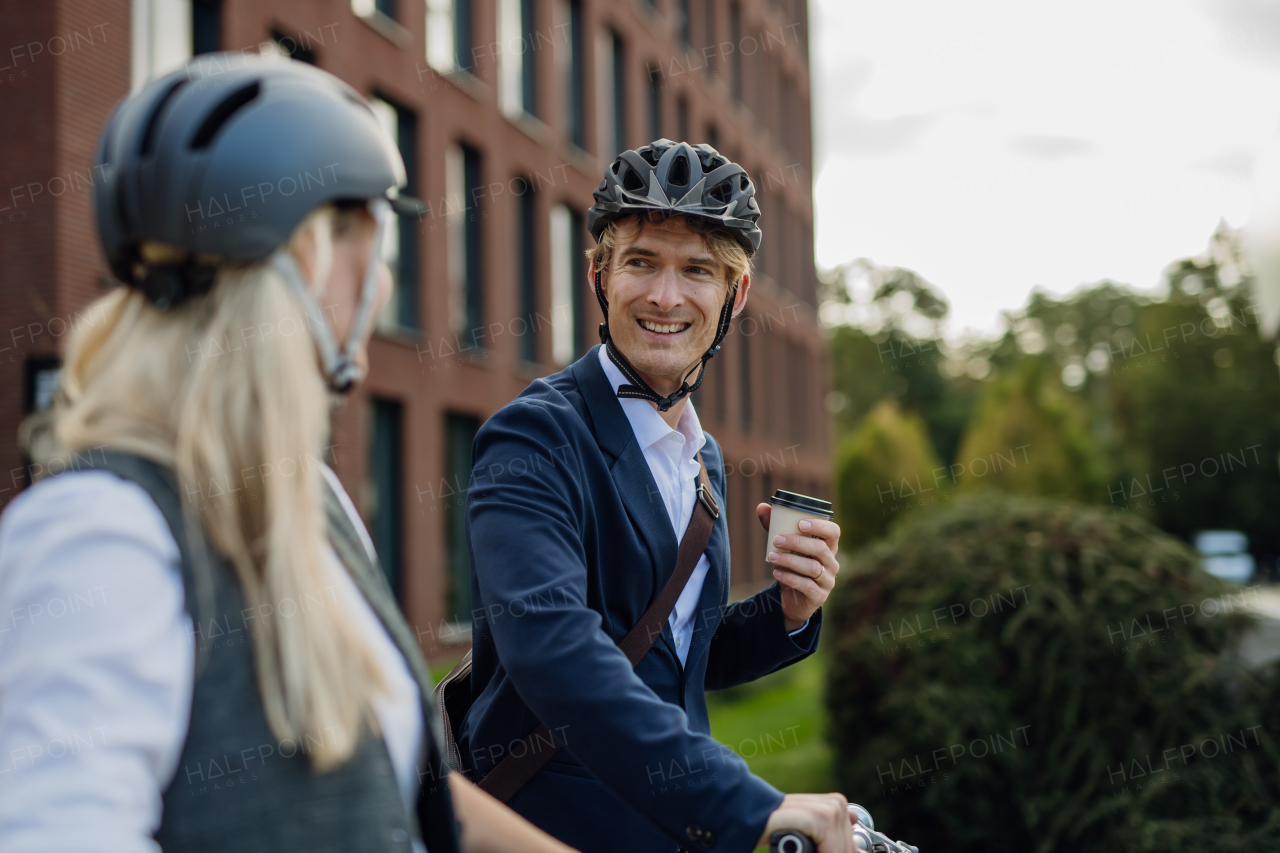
<point>665,292</point>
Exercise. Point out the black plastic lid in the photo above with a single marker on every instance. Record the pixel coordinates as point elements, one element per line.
<point>804,503</point>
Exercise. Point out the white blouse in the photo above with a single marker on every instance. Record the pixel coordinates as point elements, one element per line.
<point>97,666</point>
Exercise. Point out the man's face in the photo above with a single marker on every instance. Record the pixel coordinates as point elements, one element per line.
<point>665,291</point>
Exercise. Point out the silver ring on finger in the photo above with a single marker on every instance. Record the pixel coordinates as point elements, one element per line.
<point>821,570</point>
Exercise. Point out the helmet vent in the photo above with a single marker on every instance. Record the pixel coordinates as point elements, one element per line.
<point>631,182</point>
<point>722,192</point>
<point>680,172</point>
<point>153,123</point>
<point>649,155</point>
<point>222,113</point>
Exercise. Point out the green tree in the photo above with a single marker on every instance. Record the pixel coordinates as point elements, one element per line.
<point>886,343</point>
<point>1174,398</point>
<point>884,469</point>
<point>1182,394</point>
<point>1029,438</point>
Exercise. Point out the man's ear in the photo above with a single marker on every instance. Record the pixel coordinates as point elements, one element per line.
<point>740,300</point>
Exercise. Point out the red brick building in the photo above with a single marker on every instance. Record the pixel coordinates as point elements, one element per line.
<point>507,112</point>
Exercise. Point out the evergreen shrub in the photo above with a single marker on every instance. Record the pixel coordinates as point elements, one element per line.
<point>1014,674</point>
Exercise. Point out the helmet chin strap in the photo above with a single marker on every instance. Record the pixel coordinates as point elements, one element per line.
<point>638,387</point>
<point>341,371</point>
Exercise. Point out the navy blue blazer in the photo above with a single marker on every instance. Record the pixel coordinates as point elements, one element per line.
<point>570,541</point>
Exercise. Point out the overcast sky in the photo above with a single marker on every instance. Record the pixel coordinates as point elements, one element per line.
<point>994,147</point>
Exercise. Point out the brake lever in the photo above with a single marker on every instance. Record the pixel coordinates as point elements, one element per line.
<point>867,840</point>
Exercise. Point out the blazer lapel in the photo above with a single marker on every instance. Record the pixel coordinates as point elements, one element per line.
<point>630,470</point>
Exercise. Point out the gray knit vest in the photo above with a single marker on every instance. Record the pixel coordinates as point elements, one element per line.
<point>239,787</point>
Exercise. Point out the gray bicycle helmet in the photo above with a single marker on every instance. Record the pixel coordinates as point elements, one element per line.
<point>225,158</point>
<point>674,179</point>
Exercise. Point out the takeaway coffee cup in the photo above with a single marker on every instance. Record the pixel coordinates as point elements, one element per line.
<point>789,509</point>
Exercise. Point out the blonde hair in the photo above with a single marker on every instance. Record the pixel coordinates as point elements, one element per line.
<point>716,238</point>
<point>150,382</point>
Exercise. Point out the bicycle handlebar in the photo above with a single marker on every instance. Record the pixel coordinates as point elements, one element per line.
<point>865,838</point>
<point>790,841</point>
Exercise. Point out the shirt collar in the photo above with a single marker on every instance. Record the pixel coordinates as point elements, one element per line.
<point>646,423</point>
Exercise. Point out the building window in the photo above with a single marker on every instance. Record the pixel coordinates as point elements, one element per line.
<point>386,463</point>
<point>460,433</point>
<point>569,62</point>
<point>686,37</point>
<point>400,244</point>
<point>516,68</point>
<point>462,35</point>
<point>713,137</point>
<point>718,376</point>
<point>162,38</point>
<point>527,270</point>
<point>42,375</point>
<point>744,375</point>
<point>206,26</point>
<point>448,36</point>
<point>610,94</point>
<point>619,94</point>
<point>298,48</point>
<point>735,58</point>
<point>682,119</point>
<point>39,388</point>
<point>766,253</point>
<point>372,8</point>
<point>464,217</point>
<point>799,394</point>
<point>709,34</point>
<point>439,36</point>
<point>655,104</point>
<point>567,336</point>
<point>779,210</point>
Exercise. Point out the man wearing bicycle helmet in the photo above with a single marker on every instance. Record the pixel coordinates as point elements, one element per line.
<point>230,671</point>
<point>583,489</point>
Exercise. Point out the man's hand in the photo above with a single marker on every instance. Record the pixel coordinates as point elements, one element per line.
<point>808,576</point>
<point>822,817</point>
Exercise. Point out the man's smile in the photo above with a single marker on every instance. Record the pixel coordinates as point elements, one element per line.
<point>662,329</point>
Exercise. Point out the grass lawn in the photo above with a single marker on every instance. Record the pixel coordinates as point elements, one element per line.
<point>778,724</point>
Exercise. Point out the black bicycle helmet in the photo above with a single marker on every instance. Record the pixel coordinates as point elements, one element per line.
<point>226,157</point>
<point>674,179</point>
<point>678,179</point>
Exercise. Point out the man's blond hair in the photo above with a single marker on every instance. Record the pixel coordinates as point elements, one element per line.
<point>717,239</point>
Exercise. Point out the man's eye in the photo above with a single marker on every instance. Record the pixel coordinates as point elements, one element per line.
<point>699,270</point>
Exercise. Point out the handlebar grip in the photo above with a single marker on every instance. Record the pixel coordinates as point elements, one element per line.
<point>790,841</point>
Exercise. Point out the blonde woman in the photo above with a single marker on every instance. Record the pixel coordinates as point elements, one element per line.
<point>199,651</point>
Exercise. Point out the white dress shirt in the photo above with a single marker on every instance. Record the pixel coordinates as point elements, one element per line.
<point>97,666</point>
<point>672,455</point>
